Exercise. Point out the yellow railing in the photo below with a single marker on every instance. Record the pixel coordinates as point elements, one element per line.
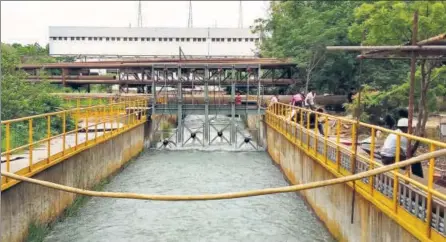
<point>32,144</point>
<point>415,203</point>
<point>77,101</point>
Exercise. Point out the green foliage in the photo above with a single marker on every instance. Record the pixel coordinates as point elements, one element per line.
<point>390,23</point>
<point>301,30</point>
<point>20,98</point>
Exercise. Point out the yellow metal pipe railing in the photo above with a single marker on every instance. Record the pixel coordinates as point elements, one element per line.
<point>393,205</point>
<point>92,117</point>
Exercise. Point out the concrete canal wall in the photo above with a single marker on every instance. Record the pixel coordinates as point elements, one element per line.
<point>332,204</point>
<point>26,203</point>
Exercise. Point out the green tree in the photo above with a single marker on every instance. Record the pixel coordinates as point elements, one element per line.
<point>20,98</point>
<point>302,29</point>
<point>390,23</point>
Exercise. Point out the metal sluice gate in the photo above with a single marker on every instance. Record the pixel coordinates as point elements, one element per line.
<point>209,129</point>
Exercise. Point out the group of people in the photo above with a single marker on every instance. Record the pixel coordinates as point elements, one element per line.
<point>299,99</point>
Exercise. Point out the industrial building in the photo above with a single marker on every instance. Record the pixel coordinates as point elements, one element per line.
<point>103,42</point>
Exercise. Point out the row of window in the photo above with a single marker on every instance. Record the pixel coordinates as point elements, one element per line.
<point>155,39</point>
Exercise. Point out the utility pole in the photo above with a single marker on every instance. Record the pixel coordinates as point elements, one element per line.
<point>240,16</point>
<point>139,23</point>
<point>189,22</point>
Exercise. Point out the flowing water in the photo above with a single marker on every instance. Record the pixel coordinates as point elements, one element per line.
<point>279,217</point>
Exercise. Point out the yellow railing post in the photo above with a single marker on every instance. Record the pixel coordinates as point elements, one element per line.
<point>104,120</point>
<point>395,176</point>
<point>64,130</point>
<point>78,103</point>
<point>371,160</point>
<point>30,142</point>
<point>353,150</point>
<point>430,184</point>
<point>8,148</point>
<point>308,129</point>
<point>49,138</point>
<point>76,127</point>
<point>96,112</point>
<point>326,139</point>
<point>87,116</point>
<point>316,130</point>
<point>301,125</point>
<point>338,145</point>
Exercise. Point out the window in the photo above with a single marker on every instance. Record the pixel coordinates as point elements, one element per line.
<point>160,39</point>
<point>187,39</point>
<point>204,39</point>
<point>130,39</point>
<point>125,38</point>
<point>78,38</point>
<point>53,38</point>
<point>113,38</point>
<point>89,38</point>
<point>194,39</point>
<point>229,39</point>
<point>199,39</point>
<point>60,38</point>
<point>65,38</point>
<point>118,38</point>
<point>177,39</point>
<point>257,40</point>
<point>222,39</point>
<point>142,39</point>
<point>182,39</point>
<point>165,39</point>
<point>72,38</point>
<point>246,39</point>
<point>135,39</point>
<point>239,39</point>
<point>153,39</point>
<point>234,39</point>
<point>213,40</point>
<point>251,39</point>
<point>95,38</point>
<point>100,38</point>
<point>107,39</point>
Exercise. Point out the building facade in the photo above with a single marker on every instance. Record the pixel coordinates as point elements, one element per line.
<point>122,41</point>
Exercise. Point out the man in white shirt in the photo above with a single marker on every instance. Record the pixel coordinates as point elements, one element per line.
<point>309,99</point>
<point>388,151</point>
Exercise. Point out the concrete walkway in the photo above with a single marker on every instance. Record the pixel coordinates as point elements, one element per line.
<point>39,153</point>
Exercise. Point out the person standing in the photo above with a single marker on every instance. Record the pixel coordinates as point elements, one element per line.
<point>238,99</point>
<point>274,99</point>
<point>309,99</point>
<point>297,100</point>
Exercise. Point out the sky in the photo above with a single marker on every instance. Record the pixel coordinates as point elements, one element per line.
<point>27,22</point>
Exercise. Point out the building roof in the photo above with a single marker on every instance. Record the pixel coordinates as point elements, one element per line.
<point>78,31</point>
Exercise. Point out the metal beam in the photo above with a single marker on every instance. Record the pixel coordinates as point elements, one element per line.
<point>441,48</point>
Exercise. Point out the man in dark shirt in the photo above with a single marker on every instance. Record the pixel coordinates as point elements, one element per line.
<point>350,95</point>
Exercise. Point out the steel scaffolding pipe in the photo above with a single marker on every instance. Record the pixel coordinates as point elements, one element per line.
<point>441,48</point>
